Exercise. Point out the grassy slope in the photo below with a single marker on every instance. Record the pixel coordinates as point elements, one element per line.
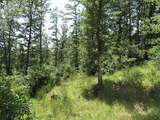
<point>130,94</point>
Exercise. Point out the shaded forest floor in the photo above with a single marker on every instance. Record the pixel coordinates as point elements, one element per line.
<point>129,94</point>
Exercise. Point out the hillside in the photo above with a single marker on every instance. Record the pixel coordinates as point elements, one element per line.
<point>130,94</point>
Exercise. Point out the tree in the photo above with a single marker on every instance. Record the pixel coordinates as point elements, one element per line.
<point>54,17</point>
<point>151,29</point>
<point>63,38</point>
<point>32,31</point>
<point>99,40</point>
<point>28,13</point>
<point>94,16</point>
<point>8,32</point>
<point>73,14</point>
<point>42,9</point>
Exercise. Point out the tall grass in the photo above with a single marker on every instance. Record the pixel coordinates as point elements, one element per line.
<point>129,94</point>
<point>133,75</point>
<point>62,107</point>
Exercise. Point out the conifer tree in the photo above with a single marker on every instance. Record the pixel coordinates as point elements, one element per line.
<point>95,11</point>
<point>73,14</point>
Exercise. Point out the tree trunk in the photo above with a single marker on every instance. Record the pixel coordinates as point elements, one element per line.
<point>130,23</point>
<point>40,44</point>
<point>5,51</point>
<point>118,43</point>
<point>9,54</point>
<point>76,41</point>
<point>76,38</point>
<point>56,49</point>
<point>99,40</point>
<point>29,39</point>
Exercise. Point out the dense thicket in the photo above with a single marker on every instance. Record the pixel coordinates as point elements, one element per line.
<point>14,103</point>
<point>95,37</point>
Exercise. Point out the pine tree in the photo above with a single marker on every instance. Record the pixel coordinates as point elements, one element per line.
<point>94,16</point>
<point>8,32</point>
<point>151,30</point>
<point>73,14</point>
<point>55,17</point>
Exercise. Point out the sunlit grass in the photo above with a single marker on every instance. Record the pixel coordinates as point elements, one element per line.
<point>118,100</point>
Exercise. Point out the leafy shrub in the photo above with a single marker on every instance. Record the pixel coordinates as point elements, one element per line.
<point>64,70</point>
<point>14,103</point>
<point>154,55</point>
<point>46,75</point>
<point>37,77</point>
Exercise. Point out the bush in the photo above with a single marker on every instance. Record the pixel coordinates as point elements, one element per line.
<point>154,54</point>
<point>36,78</point>
<point>14,103</point>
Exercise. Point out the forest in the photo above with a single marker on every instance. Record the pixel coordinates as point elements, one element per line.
<point>97,60</point>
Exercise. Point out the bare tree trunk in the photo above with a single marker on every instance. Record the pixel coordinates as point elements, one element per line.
<point>138,19</point>
<point>5,52</point>
<point>29,39</point>
<point>77,53</point>
<point>76,38</point>
<point>9,54</point>
<point>40,44</point>
<point>99,40</point>
<point>119,36</point>
<point>130,23</point>
<point>56,49</point>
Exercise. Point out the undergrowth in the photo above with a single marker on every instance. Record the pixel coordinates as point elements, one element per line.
<point>129,94</point>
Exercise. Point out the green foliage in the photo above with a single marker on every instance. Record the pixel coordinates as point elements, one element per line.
<point>121,33</point>
<point>37,77</point>
<point>154,53</point>
<point>62,105</point>
<point>47,76</point>
<point>128,34</point>
<point>41,91</point>
<point>14,103</point>
<point>133,76</point>
<point>64,70</point>
<point>127,94</point>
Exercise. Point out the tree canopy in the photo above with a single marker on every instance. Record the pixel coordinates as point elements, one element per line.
<point>104,36</point>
